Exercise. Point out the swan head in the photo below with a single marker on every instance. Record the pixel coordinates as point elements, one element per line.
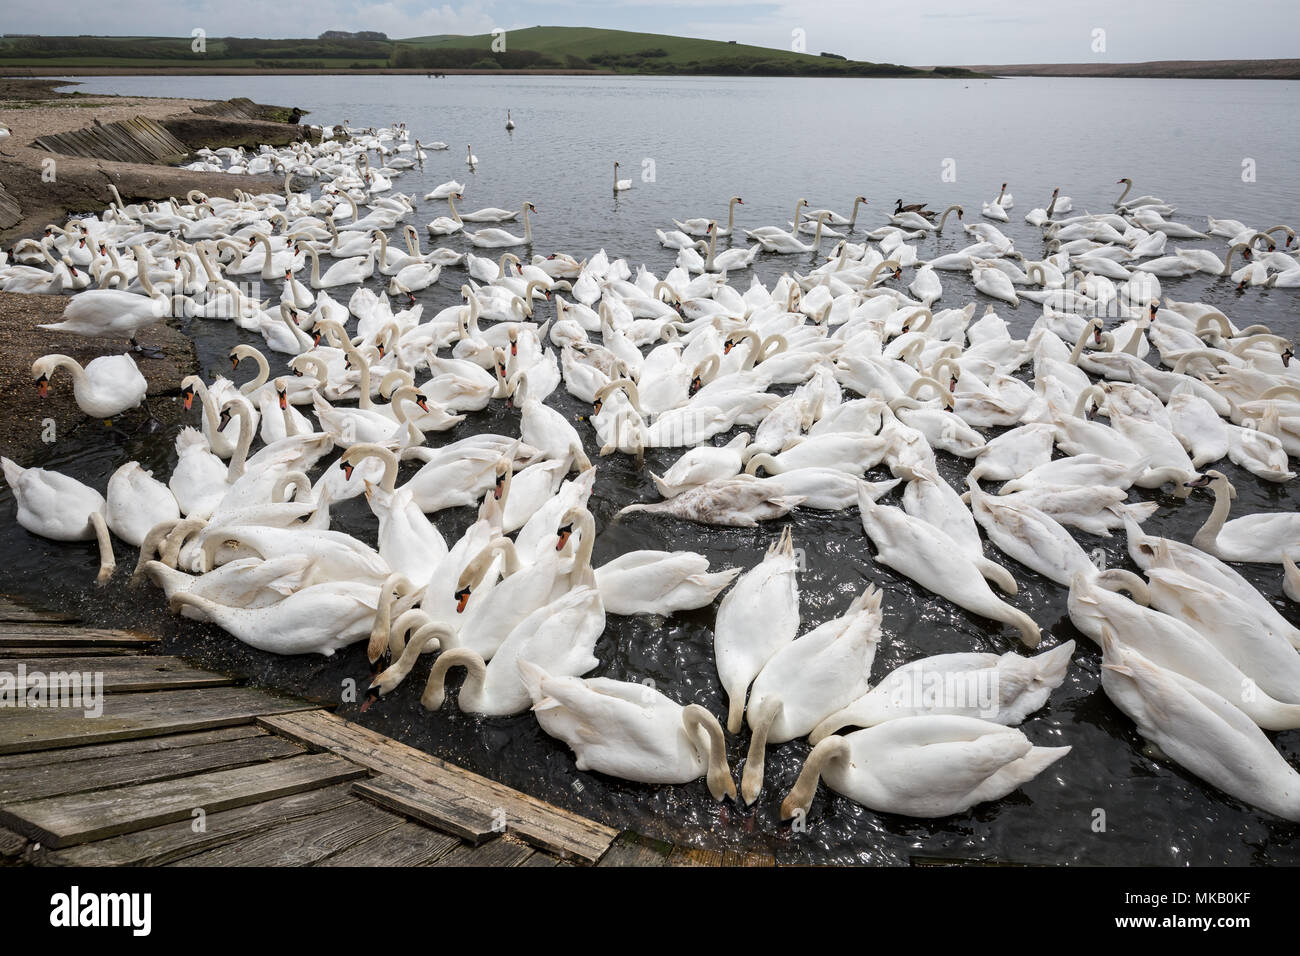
<point>1213,479</point>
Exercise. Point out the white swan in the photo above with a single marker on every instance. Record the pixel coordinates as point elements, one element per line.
<point>659,582</point>
<point>1199,730</point>
<point>620,184</point>
<point>1259,538</point>
<point>930,766</point>
<point>631,731</point>
<point>756,619</point>
<point>809,678</point>
<point>1002,688</point>
<point>60,508</point>
<point>933,560</point>
<point>106,387</point>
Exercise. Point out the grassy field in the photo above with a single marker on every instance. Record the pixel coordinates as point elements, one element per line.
<point>548,49</point>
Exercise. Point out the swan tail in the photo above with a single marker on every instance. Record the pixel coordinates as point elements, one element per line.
<point>532,677</point>
<point>1138,511</point>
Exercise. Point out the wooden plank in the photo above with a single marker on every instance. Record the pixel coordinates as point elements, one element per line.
<point>694,856</point>
<point>410,844</point>
<point>747,858</point>
<point>139,715</point>
<point>15,611</point>
<point>302,842</point>
<point>125,674</point>
<point>558,831</point>
<point>543,859</point>
<point>83,817</point>
<point>71,650</point>
<point>497,853</point>
<point>435,805</point>
<point>173,841</point>
<point>44,758</point>
<point>12,845</point>
<point>63,635</point>
<point>83,775</point>
<point>633,849</point>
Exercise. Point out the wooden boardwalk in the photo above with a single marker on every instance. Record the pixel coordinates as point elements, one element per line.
<point>184,767</point>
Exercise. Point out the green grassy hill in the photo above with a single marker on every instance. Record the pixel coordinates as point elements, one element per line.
<point>535,48</point>
<point>626,52</point>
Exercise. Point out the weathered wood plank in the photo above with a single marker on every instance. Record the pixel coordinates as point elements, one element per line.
<point>43,758</point>
<point>551,828</point>
<point>302,842</point>
<point>173,841</point>
<point>139,715</point>
<point>502,852</point>
<point>748,858</point>
<point>83,817</point>
<point>694,856</point>
<point>12,844</point>
<point>124,674</point>
<point>35,783</point>
<point>14,611</point>
<point>35,634</point>
<point>410,844</point>
<point>633,849</point>
<point>71,650</point>
<point>435,805</point>
<point>543,859</point>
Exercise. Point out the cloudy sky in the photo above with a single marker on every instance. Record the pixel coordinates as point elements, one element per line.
<point>918,32</point>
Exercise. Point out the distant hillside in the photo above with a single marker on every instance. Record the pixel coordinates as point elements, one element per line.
<point>625,52</point>
<point>1168,69</point>
<point>539,49</point>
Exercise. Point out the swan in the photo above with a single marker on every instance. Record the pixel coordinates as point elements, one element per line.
<point>700,226</point>
<point>445,189</point>
<point>106,387</point>
<point>756,619</point>
<point>60,508</point>
<point>1028,535</point>
<point>630,731</point>
<point>113,313</point>
<point>786,243</point>
<point>659,582</point>
<point>1265,655</point>
<point>136,502</point>
<point>558,637</point>
<point>1094,604</point>
<point>739,502</point>
<point>1257,538</point>
<point>318,619</point>
<point>620,184</point>
<point>809,678</point>
<point>410,544</point>
<point>510,124</point>
<point>470,159</point>
<point>446,225</point>
<point>933,560</point>
<point>1199,730</point>
<point>1004,689</point>
<point>1290,579</point>
<point>496,238</point>
<point>927,766</point>
<point>344,272</point>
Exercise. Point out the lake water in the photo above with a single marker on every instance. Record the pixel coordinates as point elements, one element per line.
<point>773,141</point>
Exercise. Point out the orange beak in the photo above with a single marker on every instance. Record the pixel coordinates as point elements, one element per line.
<point>284,401</point>
<point>43,387</point>
<point>462,598</point>
<point>563,538</point>
<point>347,470</point>
<point>189,399</point>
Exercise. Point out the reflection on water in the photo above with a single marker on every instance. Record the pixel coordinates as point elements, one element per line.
<point>772,141</point>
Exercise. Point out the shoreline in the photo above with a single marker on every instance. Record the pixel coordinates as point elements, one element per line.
<point>22,72</point>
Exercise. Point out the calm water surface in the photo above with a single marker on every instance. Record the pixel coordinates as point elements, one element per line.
<point>773,141</point>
